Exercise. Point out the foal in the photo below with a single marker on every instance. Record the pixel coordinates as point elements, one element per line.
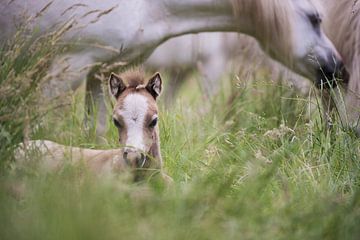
<point>136,117</point>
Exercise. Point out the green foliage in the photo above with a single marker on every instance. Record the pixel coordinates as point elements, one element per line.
<point>24,62</point>
<point>251,164</point>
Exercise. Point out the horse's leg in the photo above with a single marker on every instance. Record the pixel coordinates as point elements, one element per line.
<point>211,70</point>
<point>353,95</point>
<point>95,104</point>
<point>67,73</point>
<point>178,77</point>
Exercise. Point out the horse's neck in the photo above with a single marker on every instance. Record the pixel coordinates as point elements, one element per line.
<point>165,19</point>
<point>198,16</point>
<point>133,28</point>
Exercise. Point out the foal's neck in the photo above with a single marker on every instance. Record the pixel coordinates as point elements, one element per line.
<point>154,152</point>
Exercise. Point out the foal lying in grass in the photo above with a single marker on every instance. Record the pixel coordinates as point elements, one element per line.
<point>135,115</point>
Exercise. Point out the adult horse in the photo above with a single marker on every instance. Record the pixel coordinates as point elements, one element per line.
<point>341,24</point>
<point>289,31</point>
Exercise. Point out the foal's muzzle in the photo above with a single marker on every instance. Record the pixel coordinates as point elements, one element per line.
<point>134,158</point>
<point>331,73</point>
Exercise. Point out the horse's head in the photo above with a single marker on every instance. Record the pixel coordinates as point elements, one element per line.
<point>291,32</point>
<point>315,55</point>
<point>136,116</point>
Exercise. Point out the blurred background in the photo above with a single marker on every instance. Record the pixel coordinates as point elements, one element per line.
<point>242,137</point>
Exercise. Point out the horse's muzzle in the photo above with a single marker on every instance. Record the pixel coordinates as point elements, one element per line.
<point>329,75</point>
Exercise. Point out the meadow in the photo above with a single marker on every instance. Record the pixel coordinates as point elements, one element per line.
<point>253,163</point>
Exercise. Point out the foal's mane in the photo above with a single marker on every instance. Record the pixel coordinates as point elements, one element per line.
<point>134,78</point>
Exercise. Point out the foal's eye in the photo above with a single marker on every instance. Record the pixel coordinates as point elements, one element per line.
<point>315,20</point>
<point>153,123</point>
<point>117,123</point>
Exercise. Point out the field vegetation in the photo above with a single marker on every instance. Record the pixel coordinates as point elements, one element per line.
<point>253,163</point>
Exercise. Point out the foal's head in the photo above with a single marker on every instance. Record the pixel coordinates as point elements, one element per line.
<point>136,116</point>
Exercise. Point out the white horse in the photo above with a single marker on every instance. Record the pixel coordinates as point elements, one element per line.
<point>341,23</point>
<point>289,31</point>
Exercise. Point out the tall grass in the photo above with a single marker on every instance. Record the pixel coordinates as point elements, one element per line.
<point>24,63</point>
<point>249,165</point>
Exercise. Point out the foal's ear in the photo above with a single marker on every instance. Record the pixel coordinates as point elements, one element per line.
<point>154,85</point>
<point>116,85</point>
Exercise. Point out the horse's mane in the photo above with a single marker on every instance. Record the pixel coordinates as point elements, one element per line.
<point>270,19</point>
<point>344,30</point>
<point>345,15</point>
<point>134,77</point>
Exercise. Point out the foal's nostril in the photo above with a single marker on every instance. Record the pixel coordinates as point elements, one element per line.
<point>140,161</point>
<point>125,154</point>
<point>133,157</point>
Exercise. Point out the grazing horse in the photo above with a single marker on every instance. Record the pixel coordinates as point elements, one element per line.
<point>128,31</point>
<point>135,115</point>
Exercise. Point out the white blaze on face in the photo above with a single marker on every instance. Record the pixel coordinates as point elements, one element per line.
<point>133,113</point>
